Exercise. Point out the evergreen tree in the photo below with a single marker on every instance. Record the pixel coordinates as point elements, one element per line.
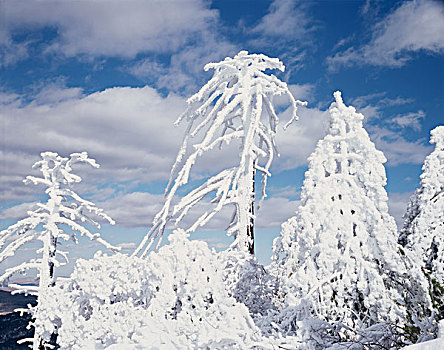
<point>340,251</point>
<point>423,230</point>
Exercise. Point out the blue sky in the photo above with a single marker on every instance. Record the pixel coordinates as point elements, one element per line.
<point>110,77</point>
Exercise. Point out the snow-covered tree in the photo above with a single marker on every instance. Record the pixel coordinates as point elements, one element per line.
<point>229,107</point>
<point>339,252</point>
<point>63,208</point>
<point>423,230</point>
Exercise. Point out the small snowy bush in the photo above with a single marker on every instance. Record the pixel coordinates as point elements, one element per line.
<point>175,298</point>
<point>248,281</point>
<point>251,284</point>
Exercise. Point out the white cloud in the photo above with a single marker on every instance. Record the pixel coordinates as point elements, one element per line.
<point>286,18</point>
<point>14,168</point>
<point>303,92</point>
<point>287,28</point>
<point>11,52</point>
<point>297,142</point>
<point>362,101</point>
<point>275,211</point>
<point>54,93</point>
<point>130,245</point>
<point>136,209</point>
<point>17,211</point>
<point>7,98</point>
<point>396,148</point>
<point>285,192</point>
<point>147,68</point>
<point>387,133</point>
<point>413,26</point>
<point>382,100</point>
<point>366,7</point>
<point>372,105</point>
<point>397,101</point>
<point>398,205</point>
<point>409,120</point>
<point>129,131</point>
<point>111,28</point>
<point>183,32</point>
<point>185,68</point>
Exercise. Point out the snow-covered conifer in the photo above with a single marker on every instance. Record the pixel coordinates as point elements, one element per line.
<point>228,107</point>
<point>64,207</point>
<point>423,230</point>
<point>339,252</point>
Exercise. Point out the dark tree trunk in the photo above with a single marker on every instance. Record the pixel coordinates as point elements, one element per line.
<point>52,254</point>
<point>250,229</point>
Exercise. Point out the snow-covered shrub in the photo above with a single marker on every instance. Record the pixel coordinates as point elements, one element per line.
<point>248,281</point>
<point>423,230</point>
<point>235,105</point>
<point>339,252</point>
<point>173,299</point>
<point>252,285</point>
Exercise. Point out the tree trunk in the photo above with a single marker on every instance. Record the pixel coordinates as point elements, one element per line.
<point>250,228</point>
<point>52,255</point>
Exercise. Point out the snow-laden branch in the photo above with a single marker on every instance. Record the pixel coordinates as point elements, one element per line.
<point>19,228</point>
<point>229,107</point>
<point>13,246</point>
<point>85,232</point>
<point>33,290</point>
<point>19,268</point>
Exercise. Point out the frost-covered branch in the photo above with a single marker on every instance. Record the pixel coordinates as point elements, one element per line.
<point>14,246</point>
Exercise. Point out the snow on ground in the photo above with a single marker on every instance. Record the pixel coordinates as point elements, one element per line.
<point>436,344</point>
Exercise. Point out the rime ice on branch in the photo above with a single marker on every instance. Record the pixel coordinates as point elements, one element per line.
<point>64,207</point>
<point>228,107</point>
<point>340,250</point>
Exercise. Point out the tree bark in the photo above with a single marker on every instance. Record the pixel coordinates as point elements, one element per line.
<point>250,228</point>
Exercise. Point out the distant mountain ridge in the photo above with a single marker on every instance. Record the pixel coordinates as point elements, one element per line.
<point>12,325</point>
<point>9,302</point>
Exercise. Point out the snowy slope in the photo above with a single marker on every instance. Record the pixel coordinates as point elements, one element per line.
<point>435,344</point>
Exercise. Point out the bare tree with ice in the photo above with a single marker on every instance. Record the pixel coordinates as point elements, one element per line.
<point>423,230</point>
<point>63,208</point>
<point>340,251</point>
<point>230,106</point>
